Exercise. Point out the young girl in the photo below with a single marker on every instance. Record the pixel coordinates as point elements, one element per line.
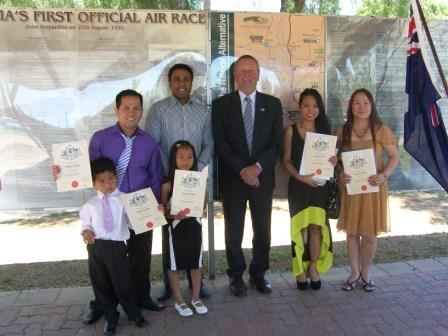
<point>364,216</point>
<point>310,228</point>
<point>185,234</point>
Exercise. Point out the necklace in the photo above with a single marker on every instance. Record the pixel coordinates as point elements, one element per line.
<point>360,132</point>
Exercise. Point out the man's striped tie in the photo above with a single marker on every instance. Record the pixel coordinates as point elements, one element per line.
<point>248,122</point>
<point>123,161</point>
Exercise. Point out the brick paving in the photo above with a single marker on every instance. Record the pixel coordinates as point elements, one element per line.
<point>411,299</point>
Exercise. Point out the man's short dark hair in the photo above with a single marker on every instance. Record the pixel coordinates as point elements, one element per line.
<point>180,66</point>
<point>101,165</point>
<point>127,93</point>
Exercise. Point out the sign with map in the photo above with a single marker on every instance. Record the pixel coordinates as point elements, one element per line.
<point>289,47</point>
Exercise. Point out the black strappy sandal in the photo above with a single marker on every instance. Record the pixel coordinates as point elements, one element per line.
<point>349,286</point>
<point>368,286</point>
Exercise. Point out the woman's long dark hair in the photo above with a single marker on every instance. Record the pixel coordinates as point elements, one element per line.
<point>172,160</point>
<point>322,124</point>
<point>374,120</point>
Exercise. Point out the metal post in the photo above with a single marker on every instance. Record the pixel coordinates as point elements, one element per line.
<point>211,224</point>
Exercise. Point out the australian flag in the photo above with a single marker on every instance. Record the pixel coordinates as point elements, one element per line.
<point>425,137</point>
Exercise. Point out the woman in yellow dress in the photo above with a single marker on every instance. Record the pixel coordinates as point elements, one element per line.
<point>364,216</point>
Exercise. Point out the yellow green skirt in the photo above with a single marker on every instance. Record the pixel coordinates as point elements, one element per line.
<point>299,240</point>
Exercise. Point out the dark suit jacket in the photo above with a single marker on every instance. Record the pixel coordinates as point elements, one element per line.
<point>230,138</point>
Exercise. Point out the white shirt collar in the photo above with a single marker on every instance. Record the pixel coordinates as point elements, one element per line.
<point>116,192</point>
<point>243,95</point>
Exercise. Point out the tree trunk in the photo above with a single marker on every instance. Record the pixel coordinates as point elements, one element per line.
<point>283,6</point>
<point>298,6</point>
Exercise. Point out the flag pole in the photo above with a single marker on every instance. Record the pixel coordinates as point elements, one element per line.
<point>431,44</point>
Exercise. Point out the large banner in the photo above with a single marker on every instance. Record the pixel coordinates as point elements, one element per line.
<point>61,69</point>
<point>59,73</point>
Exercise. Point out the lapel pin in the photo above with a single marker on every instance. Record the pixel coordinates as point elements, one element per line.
<point>262,109</point>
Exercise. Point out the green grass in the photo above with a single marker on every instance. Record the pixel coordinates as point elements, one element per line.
<point>74,272</point>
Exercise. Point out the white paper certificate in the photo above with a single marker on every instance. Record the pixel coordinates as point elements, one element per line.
<point>318,149</point>
<point>73,159</point>
<point>142,211</point>
<point>360,165</point>
<point>189,192</point>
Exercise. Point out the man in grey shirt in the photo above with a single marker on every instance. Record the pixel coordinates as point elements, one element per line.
<point>180,117</point>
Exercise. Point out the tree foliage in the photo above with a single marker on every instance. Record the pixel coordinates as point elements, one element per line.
<point>109,4</point>
<point>321,7</point>
<point>432,9</point>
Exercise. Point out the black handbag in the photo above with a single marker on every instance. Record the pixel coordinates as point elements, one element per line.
<point>334,199</point>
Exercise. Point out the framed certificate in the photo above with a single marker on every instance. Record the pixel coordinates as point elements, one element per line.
<point>318,149</point>
<point>360,165</point>
<point>142,211</point>
<point>73,159</point>
<point>189,192</point>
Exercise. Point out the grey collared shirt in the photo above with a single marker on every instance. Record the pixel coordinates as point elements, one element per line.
<point>169,121</point>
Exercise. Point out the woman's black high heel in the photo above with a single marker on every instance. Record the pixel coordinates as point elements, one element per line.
<point>302,285</point>
<point>315,284</point>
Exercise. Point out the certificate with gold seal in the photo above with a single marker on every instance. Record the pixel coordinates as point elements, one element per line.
<point>360,165</point>
<point>189,192</point>
<point>141,208</point>
<point>73,160</point>
<point>318,149</point>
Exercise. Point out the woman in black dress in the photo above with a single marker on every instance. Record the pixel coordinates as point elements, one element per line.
<point>310,229</point>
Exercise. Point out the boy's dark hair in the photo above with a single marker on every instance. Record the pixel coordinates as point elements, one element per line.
<point>102,165</point>
<point>181,66</point>
<point>127,93</point>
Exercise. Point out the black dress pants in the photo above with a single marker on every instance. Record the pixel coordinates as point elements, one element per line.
<point>234,202</point>
<point>110,275</point>
<point>140,248</point>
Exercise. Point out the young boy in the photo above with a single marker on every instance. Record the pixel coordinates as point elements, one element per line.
<point>105,229</point>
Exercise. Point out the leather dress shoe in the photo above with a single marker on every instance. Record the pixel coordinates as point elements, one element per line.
<point>204,292</point>
<point>92,315</point>
<point>150,304</point>
<point>140,321</point>
<point>262,285</point>
<point>166,294</point>
<point>238,287</point>
<point>110,327</point>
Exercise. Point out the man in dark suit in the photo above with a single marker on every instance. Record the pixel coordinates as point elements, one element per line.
<point>247,127</point>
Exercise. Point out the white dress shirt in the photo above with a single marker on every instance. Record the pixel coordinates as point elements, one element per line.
<point>91,215</point>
